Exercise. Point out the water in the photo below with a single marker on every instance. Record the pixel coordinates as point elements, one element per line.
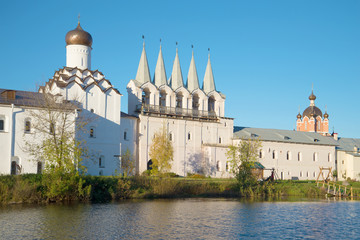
<point>184,219</point>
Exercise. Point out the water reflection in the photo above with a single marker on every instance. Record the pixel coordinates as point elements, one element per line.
<point>183,219</point>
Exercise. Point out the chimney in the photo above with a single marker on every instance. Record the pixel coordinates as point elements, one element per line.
<point>9,94</point>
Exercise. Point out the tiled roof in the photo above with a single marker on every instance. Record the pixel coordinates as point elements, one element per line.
<point>286,136</point>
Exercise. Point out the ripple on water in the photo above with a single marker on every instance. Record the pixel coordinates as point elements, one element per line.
<point>183,219</point>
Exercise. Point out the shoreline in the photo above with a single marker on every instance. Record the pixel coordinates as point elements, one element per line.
<point>30,188</point>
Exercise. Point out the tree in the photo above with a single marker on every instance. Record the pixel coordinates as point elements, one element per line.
<point>161,152</point>
<point>56,124</point>
<point>242,158</point>
<point>127,163</point>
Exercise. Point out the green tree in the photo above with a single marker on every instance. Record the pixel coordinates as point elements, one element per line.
<point>242,157</point>
<point>161,152</point>
<point>127,163</point>
<point>54,142</point>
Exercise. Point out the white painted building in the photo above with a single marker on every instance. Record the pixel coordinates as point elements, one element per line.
<point>194,117</point>
<point>293,154</point>
<point>17,110</point>
<point>348,158</point>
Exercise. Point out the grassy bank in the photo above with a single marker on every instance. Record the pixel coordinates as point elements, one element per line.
<point>31,188</point>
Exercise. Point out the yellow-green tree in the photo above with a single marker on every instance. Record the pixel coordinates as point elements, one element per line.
<point>161,152</point>
<point>127,163</point>
<point>242,157</point>
<point>53,141</point>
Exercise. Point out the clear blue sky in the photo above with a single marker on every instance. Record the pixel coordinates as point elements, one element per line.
<point>265,54</point>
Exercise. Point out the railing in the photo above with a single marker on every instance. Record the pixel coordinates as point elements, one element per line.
<point>184,112</point>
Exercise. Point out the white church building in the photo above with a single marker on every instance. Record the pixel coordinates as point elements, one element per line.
<point>194,117</point>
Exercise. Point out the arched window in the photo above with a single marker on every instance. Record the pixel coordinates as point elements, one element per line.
<point>39,167</point>
<point>102,161</point>
<point>260,153</point>
<point>146,96</point>
<point>149,165</point>
<point>92,132</point>
<point>171,137</point>
<point>27,127</point>
<point>299,156</point>
<point>220,140</point>
<point>227,167</point>
<point>211,104</point>
<point>195,102</point>
<point>274,154</point>
<point>162,98</point>
<point>189,136</point>
<point>125,135</point>
<point>329,157</point>
<point>288,155</point>
<point>315,157</point>
<point>2,123</point>
<point>179,98</point>
<point>217,166</point>
<point>13,167</point>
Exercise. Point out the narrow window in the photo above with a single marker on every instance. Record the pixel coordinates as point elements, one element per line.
<point>189,136</point>
<point>219,139</point>
<point>13,167</point>
<point>329,157</point>
<point>217,166</point>
<point>300,174</point>
<point>274,154</point>
<point>299,156</point>
<point>102,161</point>
<point>288,155</point>
<point>92,132</point>
<point>314,157</point>
<point>227,166</point>
<point>307,174</point>
<point>2,124</point>
<point>170,136</point>
<point>39,167</point>
<point>260,153</point>
<point>125,135</point>
<point>27,126</point>
<point>149,165</point>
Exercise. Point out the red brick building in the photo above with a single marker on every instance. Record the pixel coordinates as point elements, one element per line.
<point>312,119</point>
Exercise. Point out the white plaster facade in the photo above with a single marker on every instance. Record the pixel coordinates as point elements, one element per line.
<point>348,159</point>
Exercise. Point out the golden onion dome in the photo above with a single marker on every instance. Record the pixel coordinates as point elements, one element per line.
<point>312,96</point>
<point>299,116</point>
<point>326,115</point>
<point>78,36</point>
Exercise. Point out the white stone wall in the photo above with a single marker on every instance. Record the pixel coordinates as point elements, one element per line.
<point>305,168</point>
<point>14,138</point>
<point>78,56</point>
<point>348,166</point>
<point>188,138</point>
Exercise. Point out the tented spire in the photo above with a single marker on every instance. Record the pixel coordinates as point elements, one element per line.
<point>160,74</point>
<point>209,83</point>
<point>192,79</point>
<point>143,73</point>
<point>176,79</point>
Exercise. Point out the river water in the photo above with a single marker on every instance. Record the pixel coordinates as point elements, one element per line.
<point>184,219</point>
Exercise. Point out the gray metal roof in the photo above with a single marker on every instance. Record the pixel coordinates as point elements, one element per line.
<point>29,99</point>
<point>22,98</point>
<point>286,136</point>
<point>348,144</point>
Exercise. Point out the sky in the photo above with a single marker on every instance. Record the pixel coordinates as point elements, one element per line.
<point>265,55</point>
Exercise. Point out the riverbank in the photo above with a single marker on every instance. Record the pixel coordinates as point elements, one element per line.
<point>30,188</point>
